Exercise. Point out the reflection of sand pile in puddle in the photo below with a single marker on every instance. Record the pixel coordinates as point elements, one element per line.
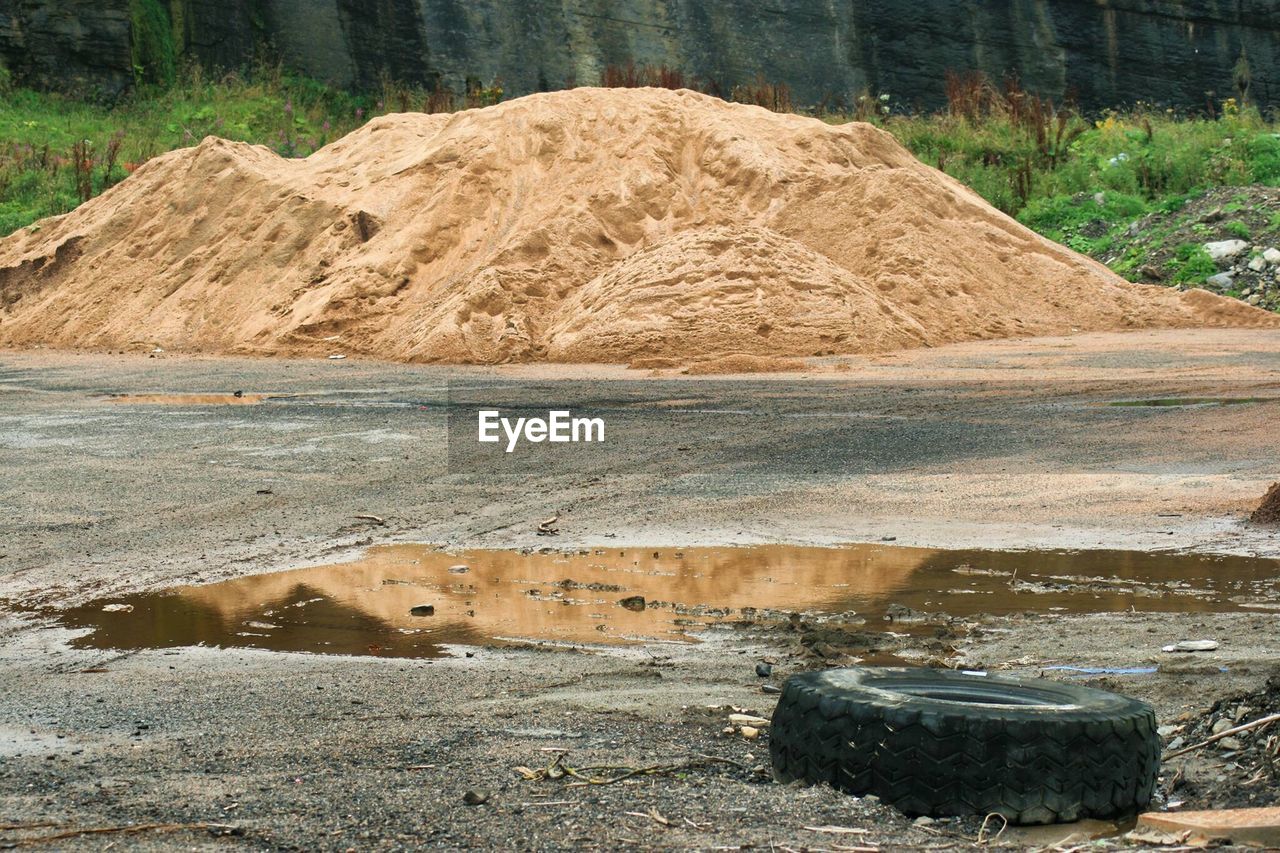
<point>574,597</point>
<point>585,225</point>
<point>1268,512</point>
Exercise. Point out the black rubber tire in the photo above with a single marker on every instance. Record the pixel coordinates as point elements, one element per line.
<point>940,742</point>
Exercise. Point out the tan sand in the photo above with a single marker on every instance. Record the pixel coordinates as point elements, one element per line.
<point>591,225</point>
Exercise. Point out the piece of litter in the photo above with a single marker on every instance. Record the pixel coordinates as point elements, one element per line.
<point>1104,670</point>
<point>1193,646</point>
<point>1258,826</point>
<point>336,357</point>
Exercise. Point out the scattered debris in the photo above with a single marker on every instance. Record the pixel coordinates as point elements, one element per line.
<point>609,774</point>
<point>215,829</point>
<point>547,527</point>
<point>1225,733</point>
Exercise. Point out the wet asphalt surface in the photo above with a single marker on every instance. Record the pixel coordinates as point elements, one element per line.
<point>313,752</point>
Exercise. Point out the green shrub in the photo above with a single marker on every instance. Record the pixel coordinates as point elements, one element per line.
<point>1236,228</point>
<point>1190,264</point>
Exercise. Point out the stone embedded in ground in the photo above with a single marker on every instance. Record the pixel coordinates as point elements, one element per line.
<point>1225,250</point>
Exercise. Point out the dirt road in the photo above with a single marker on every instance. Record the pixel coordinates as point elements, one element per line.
<point>1006,444</point>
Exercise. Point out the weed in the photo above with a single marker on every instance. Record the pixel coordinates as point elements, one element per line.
<point>1236,228</point>
<point>1190,264</point>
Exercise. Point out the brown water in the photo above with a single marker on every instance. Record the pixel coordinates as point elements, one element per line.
<point>487,597</point>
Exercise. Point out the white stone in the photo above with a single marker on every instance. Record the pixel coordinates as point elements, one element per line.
<point>1225,249</point>
<point>1257,263</point>
<point>1271,255</point>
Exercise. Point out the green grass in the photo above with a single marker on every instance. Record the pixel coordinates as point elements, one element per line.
<point>40,131</point>
<point>1190,264</point>
<point>1073,180</point>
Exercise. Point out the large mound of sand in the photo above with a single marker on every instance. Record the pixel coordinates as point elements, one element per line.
<point>587,225</point>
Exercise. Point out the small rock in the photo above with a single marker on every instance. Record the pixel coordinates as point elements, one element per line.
<point>770,688</point>
<point>1231,744</point>
<point>1193,646</point>
<point>1165,731</point>
<point>924,820</point>
<point>1254,299</point>
<point>764,670</point>
<point>1100,199</point>
<point>1221,726</point>
<point>1225,250</point>
<point>1271,255</point>
<point>634,602</point>
<point>423,610</point>
<point>117,608</point>
<point>1177,743</point>
<point>458,570</point>
<point>1221,281</point>
<point>475,798</point>
<point>1257,263</point>
<point>751,732</point>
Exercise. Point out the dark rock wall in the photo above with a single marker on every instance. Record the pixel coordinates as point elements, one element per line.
<point>73,45</point>
<point>1108,52</point>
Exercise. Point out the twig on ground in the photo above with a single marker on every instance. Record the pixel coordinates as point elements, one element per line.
<point>609,774</point>
<point>1258,723</point>
<point>128,829</point>
<point>982,831</point>
<point>652,815</point>
<point>376,519</point>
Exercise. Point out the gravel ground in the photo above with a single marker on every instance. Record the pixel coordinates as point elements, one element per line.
<point>995,445</point>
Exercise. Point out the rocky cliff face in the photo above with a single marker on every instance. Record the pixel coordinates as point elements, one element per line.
<point>1107,52</point>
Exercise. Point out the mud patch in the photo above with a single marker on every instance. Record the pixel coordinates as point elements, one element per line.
<point>417,601</point>
<point>1268,512</point>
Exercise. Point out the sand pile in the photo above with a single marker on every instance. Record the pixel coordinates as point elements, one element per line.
<point>1268,512</point>
<point>586,225</point>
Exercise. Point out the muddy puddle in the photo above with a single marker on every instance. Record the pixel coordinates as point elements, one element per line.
<point>417,601</point>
